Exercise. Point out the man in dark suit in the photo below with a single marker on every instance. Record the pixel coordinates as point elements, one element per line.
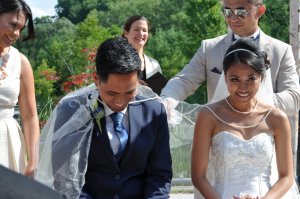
<point>118,145</point>
<point>16,186</point>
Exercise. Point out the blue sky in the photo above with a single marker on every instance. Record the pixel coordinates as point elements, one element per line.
<point>42,7</point>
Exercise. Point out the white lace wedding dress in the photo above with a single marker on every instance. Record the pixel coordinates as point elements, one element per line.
<point>242,167</point>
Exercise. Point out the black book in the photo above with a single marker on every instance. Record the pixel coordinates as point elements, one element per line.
<point>157,82</point>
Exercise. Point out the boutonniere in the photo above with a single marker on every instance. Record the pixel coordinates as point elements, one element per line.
<point>98,113</point>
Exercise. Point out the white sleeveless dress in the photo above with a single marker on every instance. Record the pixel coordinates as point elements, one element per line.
<point>243,167</point>
<point>12,145</point>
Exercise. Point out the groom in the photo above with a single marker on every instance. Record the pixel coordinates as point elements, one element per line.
<point>143,168</point>
<point>127,145</point>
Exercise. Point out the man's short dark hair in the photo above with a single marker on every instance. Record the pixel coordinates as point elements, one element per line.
<point>116,56</point>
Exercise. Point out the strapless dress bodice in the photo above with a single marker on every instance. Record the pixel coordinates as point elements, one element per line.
<point>241,166</point>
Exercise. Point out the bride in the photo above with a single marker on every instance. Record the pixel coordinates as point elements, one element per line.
<point>236,138</point>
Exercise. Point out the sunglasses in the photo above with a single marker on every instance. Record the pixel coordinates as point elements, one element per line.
<point>227,12</point>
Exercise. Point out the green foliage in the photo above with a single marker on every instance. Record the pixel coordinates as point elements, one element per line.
<point>45,77</point>
<point>77,10</point>
<point>165,47</point>
<point>90,33</point>
<point>202,20</point>
<point>277,14</point>
<point>44,111</point>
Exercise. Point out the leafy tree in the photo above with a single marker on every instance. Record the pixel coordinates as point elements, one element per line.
<point>202,19</point>
<point>77,10</point>
<point>48,32</point>
<point>45,78</point>
<point>275,21</point>
<point>119,11</point>
<point>90,33</point>
<point>166,47</point>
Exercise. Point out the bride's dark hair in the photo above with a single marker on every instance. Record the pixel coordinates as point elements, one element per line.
<point>246,51</point>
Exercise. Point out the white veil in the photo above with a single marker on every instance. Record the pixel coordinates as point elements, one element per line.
<point>65,141</point>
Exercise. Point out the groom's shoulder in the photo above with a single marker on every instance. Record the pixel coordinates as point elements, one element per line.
<point>147,103</point>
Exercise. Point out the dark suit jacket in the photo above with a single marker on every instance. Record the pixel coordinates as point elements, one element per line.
<point>16,186</point>
<point>145,170</point>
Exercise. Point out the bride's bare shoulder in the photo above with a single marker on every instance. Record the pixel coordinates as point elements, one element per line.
<point>209,110</point>
<point>275,117</point>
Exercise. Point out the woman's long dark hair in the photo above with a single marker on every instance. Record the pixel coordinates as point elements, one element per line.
<point>19,6</point>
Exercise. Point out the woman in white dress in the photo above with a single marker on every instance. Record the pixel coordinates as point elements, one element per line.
<point>17,86</point>
<point>136,30</point>
<point>236,138</point>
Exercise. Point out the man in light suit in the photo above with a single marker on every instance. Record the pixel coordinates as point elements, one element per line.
<point>242,17</point>
<point>127,159</point>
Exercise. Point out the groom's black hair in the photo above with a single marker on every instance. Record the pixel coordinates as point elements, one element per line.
<point>116,56</point>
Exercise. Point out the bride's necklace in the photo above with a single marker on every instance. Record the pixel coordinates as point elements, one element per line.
<point>236,125</point>
<point>3,63</point>
<point>241,112</point>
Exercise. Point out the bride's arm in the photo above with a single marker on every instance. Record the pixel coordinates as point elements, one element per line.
<point>279,122</point>
<point>200,153</point>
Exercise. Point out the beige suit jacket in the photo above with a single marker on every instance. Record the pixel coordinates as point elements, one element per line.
<point>206,65</point>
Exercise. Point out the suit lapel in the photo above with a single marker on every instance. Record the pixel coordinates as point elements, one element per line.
<point>264,43</point>
<point>228,39</point>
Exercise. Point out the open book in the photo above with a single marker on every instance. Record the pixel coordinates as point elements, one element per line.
<point>157,82</point>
